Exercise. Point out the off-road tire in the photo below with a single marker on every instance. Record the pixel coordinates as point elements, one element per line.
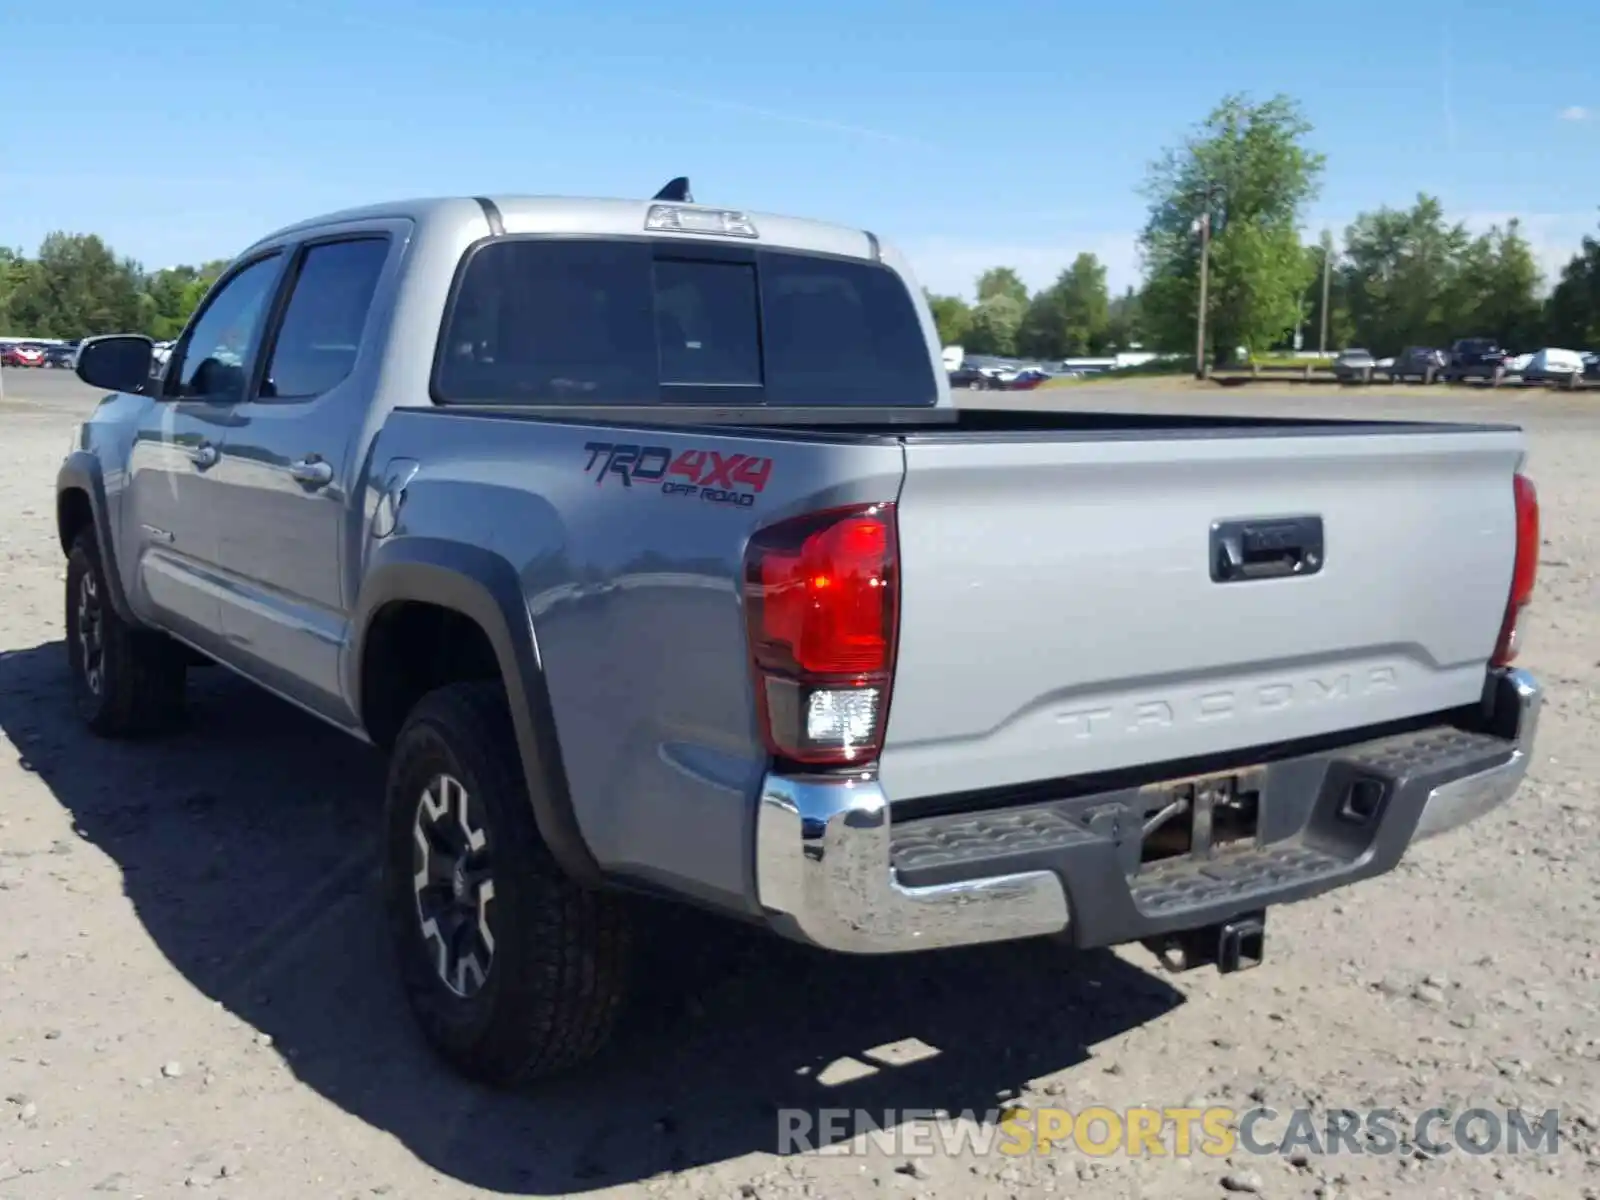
<point>558,966</point>
<point>126,681</point>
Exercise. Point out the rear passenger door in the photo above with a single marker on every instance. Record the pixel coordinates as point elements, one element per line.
<point>290,468</point>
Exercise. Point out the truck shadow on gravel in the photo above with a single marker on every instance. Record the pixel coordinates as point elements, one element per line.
<point>246,845</point>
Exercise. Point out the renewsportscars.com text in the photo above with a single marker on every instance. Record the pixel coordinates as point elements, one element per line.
<point>1216,1131</point>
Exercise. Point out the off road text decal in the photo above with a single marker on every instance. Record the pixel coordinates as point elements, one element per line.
<point>711,475</point>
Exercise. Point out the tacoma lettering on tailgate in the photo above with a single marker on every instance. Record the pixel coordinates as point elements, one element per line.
<point>1138,715</point>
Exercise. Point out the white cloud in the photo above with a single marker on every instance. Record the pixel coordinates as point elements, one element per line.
<point>951,266</point>
<point>1576,112</point>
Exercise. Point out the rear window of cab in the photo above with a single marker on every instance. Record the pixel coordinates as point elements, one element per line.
<point>644,321</point>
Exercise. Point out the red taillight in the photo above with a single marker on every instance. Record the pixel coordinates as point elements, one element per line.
<point>1523,571</point>
<point>822,603</point>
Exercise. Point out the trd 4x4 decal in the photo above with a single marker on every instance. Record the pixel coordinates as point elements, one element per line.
<point>711,475</point>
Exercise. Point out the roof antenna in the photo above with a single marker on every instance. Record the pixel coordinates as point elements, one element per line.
<point>677,190</point>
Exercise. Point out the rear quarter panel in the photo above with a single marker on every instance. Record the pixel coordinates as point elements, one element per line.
<point>632,593</point>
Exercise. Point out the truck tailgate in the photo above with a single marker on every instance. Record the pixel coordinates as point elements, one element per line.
<point>1060,611</point>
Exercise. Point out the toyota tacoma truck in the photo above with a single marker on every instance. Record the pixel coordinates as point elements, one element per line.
<point>644,540</point>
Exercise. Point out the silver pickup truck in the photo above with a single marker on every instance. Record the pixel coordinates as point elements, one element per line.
<point>644,540</point>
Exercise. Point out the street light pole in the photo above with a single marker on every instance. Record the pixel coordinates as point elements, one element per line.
<point>1327,271</point>
<point>1200,366</point>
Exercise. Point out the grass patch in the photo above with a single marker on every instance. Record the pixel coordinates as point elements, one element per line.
<point>1161,368</point>
<point>1280,360</point>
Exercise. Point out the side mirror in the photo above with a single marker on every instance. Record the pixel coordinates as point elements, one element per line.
<point>119,362</point>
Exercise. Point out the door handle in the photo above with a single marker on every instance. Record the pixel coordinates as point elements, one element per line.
<point>1269,548</point>
<point>204,455</point>
<point>312,471</point>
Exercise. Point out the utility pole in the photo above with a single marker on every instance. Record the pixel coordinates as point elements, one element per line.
<point>1207,192</point>
<point>1327,271</point>
<point>1201,368</point>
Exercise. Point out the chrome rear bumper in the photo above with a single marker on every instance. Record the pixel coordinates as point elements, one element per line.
<point>1453,804</point>
<point>824,873</point>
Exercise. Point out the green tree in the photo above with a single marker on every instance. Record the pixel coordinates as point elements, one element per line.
<point>1572,313</point>
<point>77,287</point>
<point>1041,333</point>
<point>173,295</point>
<point>1070,317</point>
<point>995,324</point>
<point>167,308</point>
<point>953,317</point>
<point>1402,279</point>
<point>1085,305</point>
<point>1125,321</point>
<point>1002,281</point>
<point>1500,284</point>
<point>14,267</point>
<point>1248,171</point>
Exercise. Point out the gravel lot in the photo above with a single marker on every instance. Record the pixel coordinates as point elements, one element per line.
<point>192,993</point>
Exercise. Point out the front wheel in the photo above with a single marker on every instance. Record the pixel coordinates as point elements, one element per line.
<point>512,970</point>
<point>126,681</point>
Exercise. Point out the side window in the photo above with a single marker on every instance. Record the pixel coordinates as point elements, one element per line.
<point>316,344</point>
<point>216,356</point>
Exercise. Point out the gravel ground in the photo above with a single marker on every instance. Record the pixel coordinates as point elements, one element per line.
<point>192,995</point>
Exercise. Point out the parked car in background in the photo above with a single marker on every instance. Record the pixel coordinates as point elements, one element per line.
<point>60,358</point>
<point>1015,377</point>
<point>1354,364</point>
<point>23,354</point>
<point>1418,362</point>
<point>1475,358</point>
<point>1026,379</point>
<point>1591,365</point>
<point>970,375</point>
<point>1552,365</point>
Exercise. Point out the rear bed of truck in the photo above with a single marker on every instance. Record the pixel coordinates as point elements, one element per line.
<point>1154,676</point>
<point>1119,676</point>
<point>1083,603</point>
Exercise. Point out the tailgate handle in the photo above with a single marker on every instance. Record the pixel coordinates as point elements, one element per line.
<point>1265,548</point>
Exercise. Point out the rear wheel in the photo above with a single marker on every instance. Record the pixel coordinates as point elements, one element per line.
<point>126,681</point>
<point>512,970</point>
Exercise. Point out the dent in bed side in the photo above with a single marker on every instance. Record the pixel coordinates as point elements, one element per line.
<point>81,475</point>
<point>482,587</point>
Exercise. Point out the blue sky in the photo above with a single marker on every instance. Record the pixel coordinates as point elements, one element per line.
<point>1013,131</point>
